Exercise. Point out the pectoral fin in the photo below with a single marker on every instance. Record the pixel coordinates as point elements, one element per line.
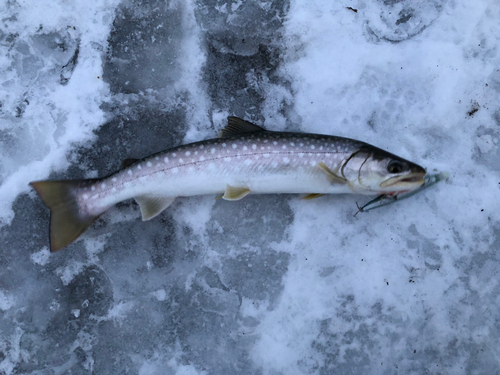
<point>332,176</point>
<point>235,193</point>
<point>152,206</point>
<point>312,196</point>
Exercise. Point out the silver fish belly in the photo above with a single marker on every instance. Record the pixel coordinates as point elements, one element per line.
<point>246,160</point>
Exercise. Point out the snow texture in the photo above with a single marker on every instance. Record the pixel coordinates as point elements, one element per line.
<point>269,284</point>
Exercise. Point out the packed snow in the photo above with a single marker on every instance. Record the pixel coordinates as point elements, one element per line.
<point>271,284</point>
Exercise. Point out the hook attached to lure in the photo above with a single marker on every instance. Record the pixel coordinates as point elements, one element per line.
<point>386,199</point>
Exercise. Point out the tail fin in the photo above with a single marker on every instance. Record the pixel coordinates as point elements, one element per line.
<point>67,223</point>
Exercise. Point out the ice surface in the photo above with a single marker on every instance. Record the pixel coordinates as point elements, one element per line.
<point>269,284</point>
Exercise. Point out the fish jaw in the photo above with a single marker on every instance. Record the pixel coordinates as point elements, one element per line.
<point>408,182</point>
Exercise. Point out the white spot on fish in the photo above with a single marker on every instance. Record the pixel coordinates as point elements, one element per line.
<point>85,196</point>
<point>248,162</point>
<point>113,190</point>
<point>202,147</point>
<point>286,160</point>
<point>283,147</point>
<point>313,147</point>
<point>224,145</point>
<point>139,167</point>
<point>157,158</point>
<point>227,159</point>
<point>113,179</point>
<point>301,144</point>
<point>310,154</point>
<point>321,148</point>
<point>313,163</point>
<point>292,144</point>
<point>129,172</point>
<point>301,154</point>
<point>181,160</point>
<point>245,148</point>
<point>103,185</point>
<point>187,153</point>
<point>202,158</point>
<point>212,150</point>
<point>165,160</point>
<point>235,145</point>
<point>175,170</point>
<point>263,148</point>
<point>191,169</point>
<point>254,147</point>
<point>265,141</point>
<point>149,164</point>
<point>267,155</point>
<point>174,154</point>
<point>196,152</point>
<point>275,143</point>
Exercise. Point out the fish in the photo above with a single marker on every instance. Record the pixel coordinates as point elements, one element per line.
<point>245,159</point>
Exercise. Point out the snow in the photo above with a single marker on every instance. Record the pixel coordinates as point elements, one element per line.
<point>270,284</point>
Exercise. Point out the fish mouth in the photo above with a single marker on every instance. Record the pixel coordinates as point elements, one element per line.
<point>413,180</point>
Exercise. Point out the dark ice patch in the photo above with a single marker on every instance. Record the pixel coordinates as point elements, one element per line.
<point>90,294</point>
<point>244,50</point>
<point>197,317</point>
<point>136,132</point>
<point>256,271</point>
<point>235,81</point>
<point>256,275</point>
<point>240,29</point>
<point>144,46</point>
<point>235,224</point>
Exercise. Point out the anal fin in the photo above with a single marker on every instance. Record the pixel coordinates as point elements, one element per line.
<point>235,193</point>
<point>312,196</point>
<point>151,206</point>
<point>332,176</point>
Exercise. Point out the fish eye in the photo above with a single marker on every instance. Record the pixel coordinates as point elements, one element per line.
<point>395,167</point>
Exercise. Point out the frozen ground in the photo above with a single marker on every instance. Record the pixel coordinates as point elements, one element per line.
<point>269,284</point>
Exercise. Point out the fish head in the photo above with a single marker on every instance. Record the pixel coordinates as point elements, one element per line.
<point>371,170</point>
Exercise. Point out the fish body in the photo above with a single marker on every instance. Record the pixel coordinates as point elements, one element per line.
<point>245,160</point>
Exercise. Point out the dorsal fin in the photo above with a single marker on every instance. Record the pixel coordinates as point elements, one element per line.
<point>236,126</point>
<point>127,162</point>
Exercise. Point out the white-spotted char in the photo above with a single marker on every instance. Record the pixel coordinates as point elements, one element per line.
<point>246,159</point>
